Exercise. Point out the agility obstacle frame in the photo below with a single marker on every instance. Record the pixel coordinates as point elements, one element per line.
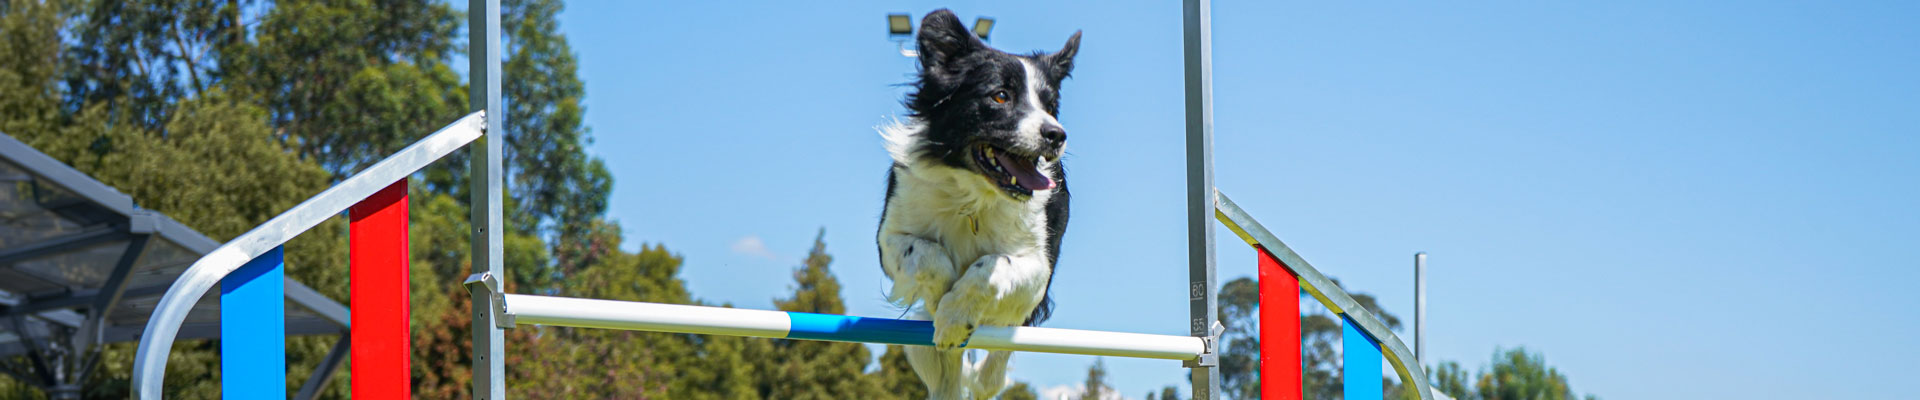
<point>248,269</point>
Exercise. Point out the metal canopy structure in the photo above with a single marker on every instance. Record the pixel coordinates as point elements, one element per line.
<point>82,266</point>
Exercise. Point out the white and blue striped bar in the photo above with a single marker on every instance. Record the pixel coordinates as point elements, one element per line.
<point>656,317</point>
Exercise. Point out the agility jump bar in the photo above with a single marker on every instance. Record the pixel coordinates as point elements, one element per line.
<point>674,318</point>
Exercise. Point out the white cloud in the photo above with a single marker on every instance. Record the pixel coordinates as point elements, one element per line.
<point>751,245</point>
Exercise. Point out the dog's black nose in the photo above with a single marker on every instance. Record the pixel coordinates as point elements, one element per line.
<point>1054,134</point>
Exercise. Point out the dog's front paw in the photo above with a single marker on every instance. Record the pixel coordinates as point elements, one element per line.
<point>953,323</point>
<point>934,272</point>
<point>925,273</point>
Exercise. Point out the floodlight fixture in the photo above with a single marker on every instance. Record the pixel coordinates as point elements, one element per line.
<point>982,26</point>
<point>899,25</point>
<point>900,29</point>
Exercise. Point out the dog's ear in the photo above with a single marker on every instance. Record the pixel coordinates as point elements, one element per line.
<point>943,39</point>
<point>1063,60</point>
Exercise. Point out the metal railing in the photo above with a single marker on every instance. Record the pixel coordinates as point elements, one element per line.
<point>150,363</point>
<point>1329,294</point>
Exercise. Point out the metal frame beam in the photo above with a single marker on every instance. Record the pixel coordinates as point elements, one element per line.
<point>49,169</point>
<point>73,180</point>
<point>59,174</point>
<point>485,173</point>
<point>63,176</point>
<point>41,367</point>
<point>115,287</point>
<point>325,371</point>
<point>77,299</point>
<point>211,330</point>
<point>1197,40</point>
<point>68,318</point>
<point>92,332</point>
<point>299,293</point>
<point>63,243</point>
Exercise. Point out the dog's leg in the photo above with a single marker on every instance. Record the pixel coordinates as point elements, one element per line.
<point>920,269</point>
<point>989,376</point>
<point>939,369</point>
<point>998,289</point>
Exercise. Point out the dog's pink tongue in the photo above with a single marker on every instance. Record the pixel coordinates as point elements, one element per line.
<point>1024,172</point>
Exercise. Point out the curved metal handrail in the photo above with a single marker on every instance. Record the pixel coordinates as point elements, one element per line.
<point>156,341</point>
<point>1323,289</point>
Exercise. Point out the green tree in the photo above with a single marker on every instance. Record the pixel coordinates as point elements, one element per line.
<point>1447,377</point>
<point>1165,393</point>
<point>897,377</point>
<point>814,369</point>
<point>1240,362</point>
<point>130,56</point>
<point>565,363</point>
<point>557,184</point>
<point>1095,388</point>
<point>1516,374</point>
<point>30,66</point>
<point>349,82</point>
<point>1015,391</point>
<point>815,289</point>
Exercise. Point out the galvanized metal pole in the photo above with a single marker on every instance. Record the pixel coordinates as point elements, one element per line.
<point>1198,42</point>
<point>1420,307</point>
<point>483,91</point>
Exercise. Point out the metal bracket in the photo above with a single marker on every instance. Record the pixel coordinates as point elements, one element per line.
<point>1211,358</point>
<point>496,299</point>
<point>143,222</point>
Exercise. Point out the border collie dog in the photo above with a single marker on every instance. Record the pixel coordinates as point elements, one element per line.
<point>976,199</point>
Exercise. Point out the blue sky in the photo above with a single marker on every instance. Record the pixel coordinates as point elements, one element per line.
<point>1701,200</point>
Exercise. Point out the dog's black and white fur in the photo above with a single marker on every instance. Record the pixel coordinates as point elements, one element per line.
<point>976,199</point>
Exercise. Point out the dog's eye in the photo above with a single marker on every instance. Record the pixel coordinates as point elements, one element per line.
<point>1000,96</point>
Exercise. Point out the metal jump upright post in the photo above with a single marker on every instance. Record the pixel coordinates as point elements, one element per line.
<point>1197,42</point>
<point>485,172</point>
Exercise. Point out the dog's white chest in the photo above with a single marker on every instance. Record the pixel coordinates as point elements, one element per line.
<point>970,218</point>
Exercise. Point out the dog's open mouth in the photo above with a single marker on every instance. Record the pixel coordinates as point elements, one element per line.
<point>1014,172</point>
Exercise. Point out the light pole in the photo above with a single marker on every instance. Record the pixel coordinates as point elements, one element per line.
<point>1420,306</point>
